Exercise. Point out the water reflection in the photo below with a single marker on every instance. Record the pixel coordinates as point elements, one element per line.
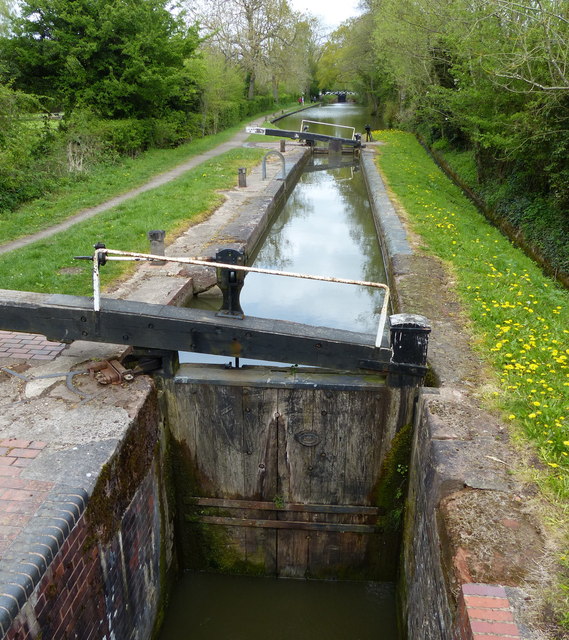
<point>214,607</point>
<point>347,114</point>
<point>325,228</point>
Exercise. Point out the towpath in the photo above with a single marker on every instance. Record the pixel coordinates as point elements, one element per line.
<point>157,181</point>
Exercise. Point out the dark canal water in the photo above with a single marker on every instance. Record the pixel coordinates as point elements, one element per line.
<point>215,607</point>
<point>325,228</point>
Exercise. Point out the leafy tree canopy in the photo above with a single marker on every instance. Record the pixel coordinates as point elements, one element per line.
<point>121,58</point>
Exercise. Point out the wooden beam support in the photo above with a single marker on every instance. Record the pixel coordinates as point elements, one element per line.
<point>284,524</point>
<point>68,318</point>
<point>222,503</point>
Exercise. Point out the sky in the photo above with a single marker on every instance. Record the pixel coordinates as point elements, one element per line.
<point>332,12</point>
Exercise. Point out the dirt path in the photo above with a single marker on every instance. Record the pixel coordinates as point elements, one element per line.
<point>157,181</point>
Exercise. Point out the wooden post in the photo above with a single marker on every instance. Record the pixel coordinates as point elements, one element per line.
<point>242,172</point>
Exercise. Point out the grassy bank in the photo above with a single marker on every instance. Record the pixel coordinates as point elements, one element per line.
<point>101,183</point>
<point>534,220</point>
<point>48,265</point>
<point>519,315</point>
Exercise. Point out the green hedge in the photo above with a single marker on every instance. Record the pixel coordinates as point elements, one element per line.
<point>42,162</point>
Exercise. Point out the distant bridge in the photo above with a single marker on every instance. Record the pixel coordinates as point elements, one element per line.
<point>341,93</point>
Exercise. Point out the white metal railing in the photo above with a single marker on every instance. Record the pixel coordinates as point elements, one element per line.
<point>328,124</point>
<point>113,254</point>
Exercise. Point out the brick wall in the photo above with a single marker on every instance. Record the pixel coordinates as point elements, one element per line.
<point>438,600</point>
<point>485,613</point>
<point>95,591</point>
<point>92,567</point>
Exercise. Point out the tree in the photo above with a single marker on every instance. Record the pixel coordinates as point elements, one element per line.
<point>221,90</point>
<point>349,62</point>
<point>534,55</point>
<point>119,57</point>
<point>6,8</point>
<point>291,60</point>
<point>248,32</point>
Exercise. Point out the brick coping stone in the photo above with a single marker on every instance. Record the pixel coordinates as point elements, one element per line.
<point>487,613</point>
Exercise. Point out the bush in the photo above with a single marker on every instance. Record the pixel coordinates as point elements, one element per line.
<point>25,149</point>
<point>174,129</point>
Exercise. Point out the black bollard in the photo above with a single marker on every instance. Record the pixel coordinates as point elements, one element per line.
<point>230,282</point>
<point>409,343</point>
<point>242,172</point>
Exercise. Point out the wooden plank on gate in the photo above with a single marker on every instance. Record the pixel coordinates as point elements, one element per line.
<point>222,503</point>
<point>283,524</point>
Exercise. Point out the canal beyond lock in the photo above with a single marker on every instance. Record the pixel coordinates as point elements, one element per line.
<point>325,228</point>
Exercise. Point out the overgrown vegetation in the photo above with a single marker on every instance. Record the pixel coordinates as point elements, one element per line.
<point>488,78</point>
<point>519,315</point>
<point>90,83</point>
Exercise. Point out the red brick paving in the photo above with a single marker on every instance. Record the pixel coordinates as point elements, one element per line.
<point>28,346</point>
<point>19,497</point>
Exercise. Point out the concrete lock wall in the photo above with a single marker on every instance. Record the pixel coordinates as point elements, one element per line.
<point>468,545</point>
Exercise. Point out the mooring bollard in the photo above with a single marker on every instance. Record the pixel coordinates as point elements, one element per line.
<point>157,248</point>
<point>409,343</point>
<point>283,146</point>
<point>230,282</point>
<point>242,171</point>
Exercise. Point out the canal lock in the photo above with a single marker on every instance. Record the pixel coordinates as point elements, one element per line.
<point>102,555</point>
<point>287,471</point>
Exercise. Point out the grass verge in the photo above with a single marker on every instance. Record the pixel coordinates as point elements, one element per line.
<point>48,265</point>
<point>519,315</point>
<point>101,183</point>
